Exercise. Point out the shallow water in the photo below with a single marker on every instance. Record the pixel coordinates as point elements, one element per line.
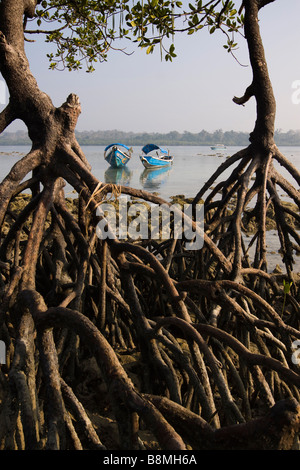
<point>191,168</point>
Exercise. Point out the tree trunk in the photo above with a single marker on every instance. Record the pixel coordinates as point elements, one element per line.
<point>263,133</point>
<point>242,202</point>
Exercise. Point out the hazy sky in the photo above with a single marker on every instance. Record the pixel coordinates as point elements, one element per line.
<point>140,93</point>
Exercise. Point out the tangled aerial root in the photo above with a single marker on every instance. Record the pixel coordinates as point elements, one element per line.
<point>195,348</point>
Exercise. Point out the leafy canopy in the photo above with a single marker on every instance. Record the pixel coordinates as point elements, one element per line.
<point>83,31</point>
<point>155,20</point>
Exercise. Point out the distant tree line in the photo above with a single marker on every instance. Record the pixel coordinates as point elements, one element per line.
<point>230,138</point>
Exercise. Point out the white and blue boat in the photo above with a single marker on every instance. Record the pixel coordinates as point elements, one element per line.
<point>218,147</point>
<point>117,155</point>
<point>155,157</point>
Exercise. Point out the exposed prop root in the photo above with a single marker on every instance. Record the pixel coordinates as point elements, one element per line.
<point>173,340</point>
<point>240,204</point>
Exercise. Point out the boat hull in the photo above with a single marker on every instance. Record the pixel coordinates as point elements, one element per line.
<point>152,162</point>
<point>218,147</point>
<point>116,158</point>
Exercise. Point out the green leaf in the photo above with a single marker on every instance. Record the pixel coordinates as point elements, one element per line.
<point>150,49</point>
<point>287,286</point>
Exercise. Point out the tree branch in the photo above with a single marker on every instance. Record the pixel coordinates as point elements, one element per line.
<point>246,97</point>
<point>7,116</point>
<point>263,3</point>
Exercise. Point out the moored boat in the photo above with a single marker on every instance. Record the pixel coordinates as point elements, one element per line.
<point>155,157</point>
<point>117,155</point>
<point>218,147</point>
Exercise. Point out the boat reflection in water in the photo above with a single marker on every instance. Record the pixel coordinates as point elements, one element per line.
<point>118,175</point>
<point>152,179</point>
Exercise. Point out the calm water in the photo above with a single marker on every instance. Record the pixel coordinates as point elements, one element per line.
<point>191,168</point>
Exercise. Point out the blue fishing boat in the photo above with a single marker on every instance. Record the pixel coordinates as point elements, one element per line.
<point>117,155</point>
<point>155,157</point>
